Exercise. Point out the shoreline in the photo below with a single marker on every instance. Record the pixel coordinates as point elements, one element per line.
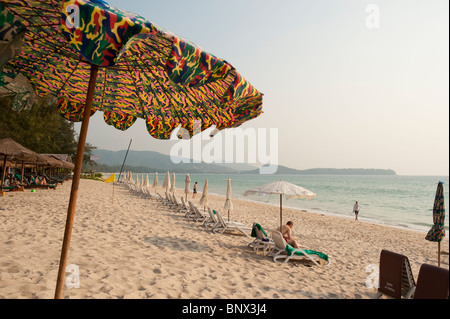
<point>422,226</point>
<point>128,246</point>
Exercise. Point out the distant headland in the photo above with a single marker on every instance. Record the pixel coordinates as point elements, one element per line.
<point>149,161</point>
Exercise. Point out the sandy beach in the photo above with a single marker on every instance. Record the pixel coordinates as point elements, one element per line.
<point>128,246</point>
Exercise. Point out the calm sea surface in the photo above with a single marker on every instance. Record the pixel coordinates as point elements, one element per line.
<point>402,201</point>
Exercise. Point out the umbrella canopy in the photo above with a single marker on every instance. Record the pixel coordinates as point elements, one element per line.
<point>172,189</point>
<point>228,204</point>
<point>437,231</point>
<point>166,183</point>
<point>282,188</point>
<point>204,199</point>
<point>187,185</point>
<point>146,182</point>
<point>94,57</point>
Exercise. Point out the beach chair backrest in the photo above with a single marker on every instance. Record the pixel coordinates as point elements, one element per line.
<point>220,219</point>
<point>278,239</point>
<point>191,207</point>
<point>396,278</point>
<point>212,215</point>
<point>259,233</point>
<point>197,211</point>
<point>432,283</point>
<point>183,203</point>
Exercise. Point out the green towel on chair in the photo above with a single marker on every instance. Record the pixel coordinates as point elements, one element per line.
<point>289,249</point>
<point>253,234</point>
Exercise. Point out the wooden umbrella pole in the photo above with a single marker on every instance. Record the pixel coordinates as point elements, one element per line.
<point>75,183</point>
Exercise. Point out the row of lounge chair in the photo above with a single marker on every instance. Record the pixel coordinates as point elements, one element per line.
<point>276,246</point>
<point>396,279</point>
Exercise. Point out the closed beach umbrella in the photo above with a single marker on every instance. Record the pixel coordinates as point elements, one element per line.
<point>155,181</point>
<point>204,200</point>
<point>228,203</point>
<point>437,231</point>
<point>282,188</point>
<point>146,182</point>
<point>166,183</point>
<point>93,57</point>
<point>187,185</point>
<point>172,189</point>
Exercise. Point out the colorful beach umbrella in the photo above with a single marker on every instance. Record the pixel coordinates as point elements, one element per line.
<point>187,185</point>
<point>437,231</point>
<point>282,188</point>
<point>93,57</point>
<point>204,199</point>
<point>228,203</point>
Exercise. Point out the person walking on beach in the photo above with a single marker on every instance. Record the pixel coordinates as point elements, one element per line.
<point>195,190</point>
<point>286,232</point>
<point>356,209</point>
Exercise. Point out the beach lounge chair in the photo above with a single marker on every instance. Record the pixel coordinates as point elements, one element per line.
<point>32,184</point>
<point>211,221</point>
<point>190,213</point>
<point>432,283</point>
<point>283,250</point>
<point>176,204</point>
<point>161,199</point>
<point>184,208</point>
<point>196,214</point>
<point>396,278</point>
<point>261,239</point>
<point>230,226</point>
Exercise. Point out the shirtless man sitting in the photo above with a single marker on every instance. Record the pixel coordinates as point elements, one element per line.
<point>286,232</point>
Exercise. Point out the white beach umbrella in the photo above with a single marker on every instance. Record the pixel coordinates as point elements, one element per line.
<point>187,185</point>
<point>172,189</point>
<point>228,204</point>
<point>204,199</point>
<point>146,182</point>
<point>166,182</point>
<point>282,188</point>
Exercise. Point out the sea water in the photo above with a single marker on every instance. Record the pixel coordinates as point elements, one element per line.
<point>395,200</point>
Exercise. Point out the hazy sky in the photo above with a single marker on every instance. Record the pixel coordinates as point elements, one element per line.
<point>347,83</point>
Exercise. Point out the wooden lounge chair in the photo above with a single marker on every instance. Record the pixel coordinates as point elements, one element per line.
<point>396,278</point>
<point>283,250</point>
<point>432,283</point>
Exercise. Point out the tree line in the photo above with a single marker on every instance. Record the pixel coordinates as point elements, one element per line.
<point>41,129</point>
